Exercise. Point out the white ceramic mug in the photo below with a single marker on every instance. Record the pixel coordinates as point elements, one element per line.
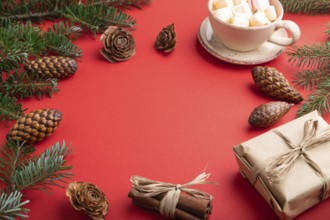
<point>250,38</point>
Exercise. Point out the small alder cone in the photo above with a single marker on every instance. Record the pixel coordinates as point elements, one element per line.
<point>118,44</point>
<point>268,114</point>
<point>53,66</point>
<point>166,39</point>
<point>88,198</point>
<point>35,126</point>
<point>273,83</point>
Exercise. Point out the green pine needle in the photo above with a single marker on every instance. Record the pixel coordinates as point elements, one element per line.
<point>318,100</point>
<point>10,109</point>
<point>44,171</point>
<point>310,78</point>
<point>12,155</point>
<point>312,7</point>
<point>11,206</point>
<point>97,18</point>
<point>26,85</point>
<point>314,55</point>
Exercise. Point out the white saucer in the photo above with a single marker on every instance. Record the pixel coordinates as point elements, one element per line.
<point>266,52</point>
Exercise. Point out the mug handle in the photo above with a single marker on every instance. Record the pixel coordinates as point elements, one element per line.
<point>292,27</point>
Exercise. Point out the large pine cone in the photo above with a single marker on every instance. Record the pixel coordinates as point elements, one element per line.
<point>88,198</point>
<point>166,39</point>
<point>53,66</point>
<point>118,44</point>
<point>268,114</point>
<point>35,126</point>
<point>273,83</point>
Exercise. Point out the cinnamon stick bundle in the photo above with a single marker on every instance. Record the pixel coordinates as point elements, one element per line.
<point>190,205</point>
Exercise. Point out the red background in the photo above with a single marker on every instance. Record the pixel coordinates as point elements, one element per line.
<point>165,117</point>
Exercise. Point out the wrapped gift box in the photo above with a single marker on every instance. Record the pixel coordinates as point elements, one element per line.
<point>302,186</point>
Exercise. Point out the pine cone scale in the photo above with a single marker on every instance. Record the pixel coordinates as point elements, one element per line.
<point>35,126</point>
<point>273,83</point>
<point>53,66</point>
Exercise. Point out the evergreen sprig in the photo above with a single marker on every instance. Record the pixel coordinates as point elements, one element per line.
<point>44,171</point>
<point>310,55</point>
<point>96,18</point>
<point>312,7</point>
<point>315,58</point>
<point>22,84</point>
<point>11,206</point>
<point>12,156</point>
<point>10,109</point>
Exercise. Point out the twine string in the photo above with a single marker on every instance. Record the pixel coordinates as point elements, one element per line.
<point>168,204</point>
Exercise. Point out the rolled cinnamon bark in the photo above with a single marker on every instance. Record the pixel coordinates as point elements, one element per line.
<point>153,204</point>
<point>197,206</point>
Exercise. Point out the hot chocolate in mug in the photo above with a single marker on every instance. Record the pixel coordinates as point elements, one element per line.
<point>249,38</point>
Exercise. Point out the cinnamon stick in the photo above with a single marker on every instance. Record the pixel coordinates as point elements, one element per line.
<point>196,206</point>
<point>153,204</point>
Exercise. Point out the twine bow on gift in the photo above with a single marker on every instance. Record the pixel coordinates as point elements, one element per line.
<point>280,167</point>
<point>172,192</point>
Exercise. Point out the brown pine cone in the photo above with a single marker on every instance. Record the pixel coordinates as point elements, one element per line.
<point>88,198</point>
<point>166,39</point>
<point>53,66</point>
<point>35,126</point>
<point>268,114</point>
<point>273,83</point>
<point>118,44</point>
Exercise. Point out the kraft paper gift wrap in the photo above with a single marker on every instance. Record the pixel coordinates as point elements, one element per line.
<point>305,183</point>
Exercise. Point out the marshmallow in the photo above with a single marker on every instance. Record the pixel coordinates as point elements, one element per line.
<point>260,4</point>
<point>241,20</point>
<point>258,19</point>
<point>270,13</point>
<point>242,9</point>
<point>222,4</point>
<point>238,2</point>
<point>224,14</point>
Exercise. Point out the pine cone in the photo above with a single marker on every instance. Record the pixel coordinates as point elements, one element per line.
<point>166,39</point>
<point>118,44</point>
<point>274,84</point>
<point>268,114</point>
<point>53,66</point>
<point>35,126</point>
<point>88,198</point>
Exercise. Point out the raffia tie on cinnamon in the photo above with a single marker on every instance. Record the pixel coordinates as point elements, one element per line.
<point>172,191</point>
<point>277,169</point>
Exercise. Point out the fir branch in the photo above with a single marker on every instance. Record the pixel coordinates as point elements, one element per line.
<point>318,100</point>
<point>125,4</point>
<point>9,108</point>
<point>65,29</point>
<point>312,7</point>
<point>314,55</point>
<point>44,171</point>
<point>11,206</point>
<point>97,18</point>
<point>25,85</point>
<point>310,78</point>
<point>61,45</point>
<point>12,155</point>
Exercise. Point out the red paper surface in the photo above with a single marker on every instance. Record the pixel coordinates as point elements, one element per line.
<point>165,117</point>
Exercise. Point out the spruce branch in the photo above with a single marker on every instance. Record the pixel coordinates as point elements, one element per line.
<point>312,7</point>
<point>11,206</point>
<point>12,155</point>
<point>318,100</point>
<point>22,85</point>
<point>125,4</point>
<point>10,109</point>
<point>96,18</point>
<point>314,55</point>
<point>44,171</point>
<point>310,78</point>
